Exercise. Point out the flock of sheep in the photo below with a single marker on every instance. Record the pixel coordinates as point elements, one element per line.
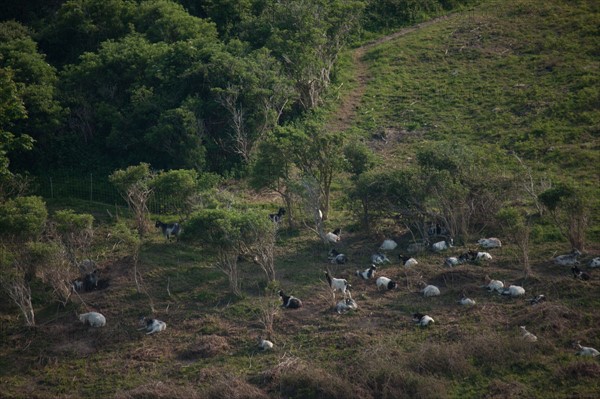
<point>347,303</point>
<point>90,280</point>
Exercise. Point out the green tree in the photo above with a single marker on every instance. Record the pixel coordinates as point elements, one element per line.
<point>517,226</point>
<point>230,233</point>
<point>75,232</point>
<point>179,187</point>
<point>569,207</point>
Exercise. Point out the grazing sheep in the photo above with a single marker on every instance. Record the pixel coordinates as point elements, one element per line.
<point>379,259</point>
<point>169,229</point>
<point>494,285</point>
<point>335,236</point>
<point>537,299</point>
<point>346,305</point>
<point>580,274</point>
<point>277,217</point>
<point>337,258</point>
<point>337,284</point>
<point>386,283</point>
<point>442,245</point>
<point>595,262</point>
<point>489,243</point>
<point>466,301</point>
<point>407,261</point>
<point>513,291</point>
<point>388,245</point>
<point>264,344</point>
<point>94,319</point>
<point>430,290</point>
<point>367,273</point>
<point>527,336</point>
<point>153,325</point>
<point>586,350</point>
<point>568,259</point>
<point>290,302</point>
<point>422,319</point>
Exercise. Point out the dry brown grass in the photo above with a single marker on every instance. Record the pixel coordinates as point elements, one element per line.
<point>206,346</point>
<point>160,390</point>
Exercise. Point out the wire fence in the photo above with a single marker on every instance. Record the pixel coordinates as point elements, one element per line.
<point>95,188</point>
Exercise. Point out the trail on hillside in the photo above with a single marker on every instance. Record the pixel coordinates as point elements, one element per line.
<point>346,113</point>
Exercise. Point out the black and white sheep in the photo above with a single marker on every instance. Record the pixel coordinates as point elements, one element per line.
<point>346,305</point>
<point>407,261</point>
<point>169,229</point>
<point>336,257</point>
<point>277,217</point>
<point>367,273</point>
<point>337,284</point>
<point>457,260</point>
<point>290,301</point>
<point>594,262</point>
<point>379,259</point>
<point>386,282</point>
<point>334,236</point>
<point>94,319</point>
<point>580,274</point>
<point>442,245</point>
<point>153,325</point>
<point>422,319</point>
<point>568,259</point>
<point>489,243</point>
<point>537,299</point>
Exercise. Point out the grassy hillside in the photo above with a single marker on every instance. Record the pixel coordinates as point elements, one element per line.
<point>522,75</point>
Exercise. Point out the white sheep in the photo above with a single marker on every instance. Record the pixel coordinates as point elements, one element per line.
<point>337,284</point>
<point>489,243</point>
<point>264,344</point>
<point>466,301</point>
<point>595,262</point>
<point>586,350</point>
<point>367,273</point>
<point>442,245</point>
<point>483,256</point>
<point>94,319</point>
<point>153,325</point>
<point>386,282</point>
<point>379,259</point>
<point>334,236</point>
<point>514,291</point>
<point>422,319</point>
<point>568,259</point>
<point>527,336</point>
<point>408,261</point>
<point>430,290</point>
<point>494,285</point>
<point>388,245</point>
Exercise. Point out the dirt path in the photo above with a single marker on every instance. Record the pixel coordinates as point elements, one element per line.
<point>346,113</point>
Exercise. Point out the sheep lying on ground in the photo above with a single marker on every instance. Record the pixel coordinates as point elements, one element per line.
<point>527,336</point>
<point>289,301</point>
<point>595,262</point>
<point>407,261</point>
<point>264,344</point>
<point>514,291</point>
<point>568,259</point>
<point>488,243</point>
<point>586,350</point>
<point>388,245</point>
<point>346,305</point>
<point>386,283</point>
<point>94,319</point>
<point>466,301</point>
<point>379,259</point>
<point>422,319</point>
<point>430,290</point>
<point>337,258</point>
<point>367,273</point>
<point>153,325</point>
